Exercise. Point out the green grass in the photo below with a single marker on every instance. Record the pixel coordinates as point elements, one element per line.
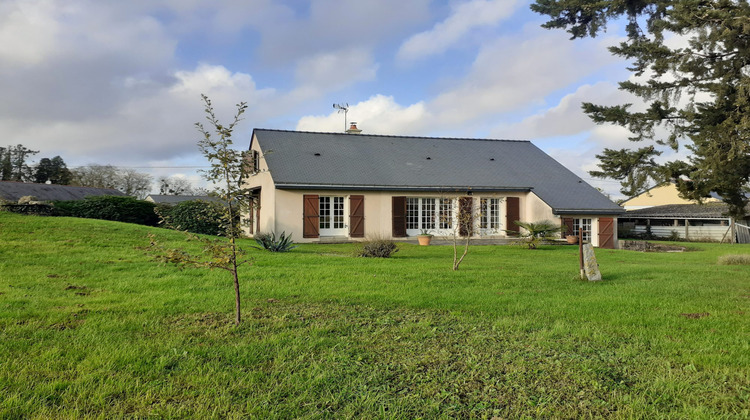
<point>90,327</point>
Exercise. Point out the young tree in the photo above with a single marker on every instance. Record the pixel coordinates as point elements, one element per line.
<point>227,166</point>
<point>468,214</point>
<point>697,93</point>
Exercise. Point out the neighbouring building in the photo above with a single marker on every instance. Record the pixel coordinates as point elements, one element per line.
<point>12,191</point>
<point>660,195</point>
<point>176,199</point>
<point>342,186</point>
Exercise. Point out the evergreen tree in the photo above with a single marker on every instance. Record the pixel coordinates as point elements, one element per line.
<point>6,169</point>
<point>53,170</point>
<point>14,163</point>
<point>697,95</point>
<point>635,169</point>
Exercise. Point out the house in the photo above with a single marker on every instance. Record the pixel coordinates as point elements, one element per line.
<point>661,212</point>
<point>660,195</point>
<point>12,191</point>
<point>176,199</point>
<point>697,222</point>
<point>340,186</point>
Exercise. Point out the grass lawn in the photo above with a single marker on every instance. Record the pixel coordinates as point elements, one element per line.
<point>90,327</point>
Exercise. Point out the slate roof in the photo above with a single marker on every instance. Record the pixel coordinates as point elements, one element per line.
<point>174,199</point>
<point>681,211</point>
<point>307,160</point>
<point>12,191</point>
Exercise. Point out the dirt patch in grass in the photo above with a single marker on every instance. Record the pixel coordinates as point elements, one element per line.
<point>696,315</point>
<point>645,246</point>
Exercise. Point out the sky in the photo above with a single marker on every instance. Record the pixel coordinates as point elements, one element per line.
<point>119,82</point>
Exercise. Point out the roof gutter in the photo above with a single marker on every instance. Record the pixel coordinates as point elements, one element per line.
<point>564,212</point>
<point>338,187</point>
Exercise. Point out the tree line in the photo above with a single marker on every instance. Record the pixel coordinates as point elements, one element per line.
<point>15,166</point>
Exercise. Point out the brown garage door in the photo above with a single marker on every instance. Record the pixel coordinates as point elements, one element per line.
<point>606,232</point>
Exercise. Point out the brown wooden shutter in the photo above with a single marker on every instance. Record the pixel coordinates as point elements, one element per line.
<point>465,216</point>
<point>606,232</point>
<point>512,215</point>
<point>357,216</point>
<point>398,210</point>
<point>567,226</point>
<point>311,216</point>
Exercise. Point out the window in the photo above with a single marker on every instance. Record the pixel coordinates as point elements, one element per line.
<point>412,213</point>
<point>428,213</point>
<point>331,216</point>
<point>446,213</point>
<point>325,212</point>
<point>338,212</point>
<point>255,158</point>
<point>490,213</point>
<point>584,224</point>
<point>422,213</point>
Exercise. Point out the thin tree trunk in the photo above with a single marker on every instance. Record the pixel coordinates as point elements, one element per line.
<point>237,316</point>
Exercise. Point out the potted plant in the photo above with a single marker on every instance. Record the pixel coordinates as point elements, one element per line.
<point>424,237</point>
<point>572,239</point>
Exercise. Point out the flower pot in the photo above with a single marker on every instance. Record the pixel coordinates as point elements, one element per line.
<point>424,240</point>
<point>572,239</point>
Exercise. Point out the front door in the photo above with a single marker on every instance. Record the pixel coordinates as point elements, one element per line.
<point>332,220</point>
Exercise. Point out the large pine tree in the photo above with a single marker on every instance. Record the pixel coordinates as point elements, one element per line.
<point>697,95</point>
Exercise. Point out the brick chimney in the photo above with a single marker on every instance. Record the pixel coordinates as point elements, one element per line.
<point>353,128</point>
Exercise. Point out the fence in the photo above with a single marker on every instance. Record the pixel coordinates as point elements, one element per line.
<point>707,232</point>
<point>743,233</point>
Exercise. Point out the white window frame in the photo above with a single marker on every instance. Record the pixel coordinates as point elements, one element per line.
<point>489,211</point>
<point>587,225</point>
<point>329,224</point>
<point>428,213</point>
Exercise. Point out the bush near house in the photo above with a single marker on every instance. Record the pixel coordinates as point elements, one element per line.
<point>119,209</point>
<point>196,216</point>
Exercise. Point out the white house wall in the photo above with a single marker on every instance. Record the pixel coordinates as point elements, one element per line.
<point>288,209</point>
<point>264,180</point>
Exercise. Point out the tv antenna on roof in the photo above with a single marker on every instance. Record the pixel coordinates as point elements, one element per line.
<point>342,108</point>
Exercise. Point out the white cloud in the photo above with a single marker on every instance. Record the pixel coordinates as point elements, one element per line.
<point>566,118</point>
<point>446,34</point>
<point>377,115</point>
<point>335,70</point>
<point>513,73</point>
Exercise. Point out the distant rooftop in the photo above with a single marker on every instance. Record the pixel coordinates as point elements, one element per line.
<point>12,191</point>
<point>174,199</point>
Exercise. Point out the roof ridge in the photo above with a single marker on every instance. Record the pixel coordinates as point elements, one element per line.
<point>390,135</point>
<point>56,185</point>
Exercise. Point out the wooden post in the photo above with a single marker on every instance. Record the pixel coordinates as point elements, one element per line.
<point>580,253</point>
<point>733,239</point>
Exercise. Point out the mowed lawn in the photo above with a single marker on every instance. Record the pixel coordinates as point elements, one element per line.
<point>91,327</point>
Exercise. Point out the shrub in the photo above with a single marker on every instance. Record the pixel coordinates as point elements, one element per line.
<point>196,216</point>
<point>735,259</point>
<point>37,209</point>
<point>376,248</point>
<point>269,242</point>
<point>105,207</point>
<point>536,232</point>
